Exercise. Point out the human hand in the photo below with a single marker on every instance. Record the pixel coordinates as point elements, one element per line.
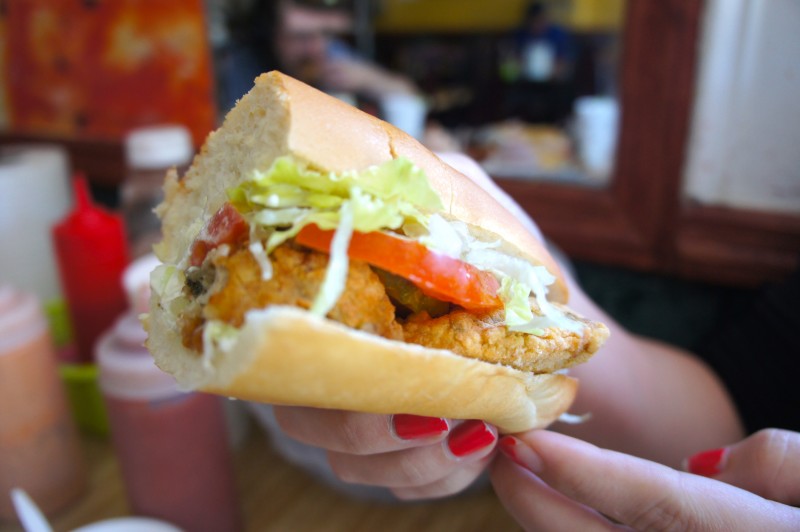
<point>561,483</point>
<point>415,457</point>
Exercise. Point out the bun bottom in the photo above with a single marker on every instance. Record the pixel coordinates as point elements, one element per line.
<point>285,355</point>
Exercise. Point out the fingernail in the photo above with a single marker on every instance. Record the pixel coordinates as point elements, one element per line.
<point>706,463</point>
<point>520,453</point>
<point>411,427</point>
<point>470,437</point>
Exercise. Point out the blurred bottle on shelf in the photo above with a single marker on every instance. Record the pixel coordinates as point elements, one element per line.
<point>150,152</point>
<point>39,447</point>
<point>34,194</point>
<point>92,254</point>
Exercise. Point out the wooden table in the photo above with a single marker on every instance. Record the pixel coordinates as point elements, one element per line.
<point>276,495</point>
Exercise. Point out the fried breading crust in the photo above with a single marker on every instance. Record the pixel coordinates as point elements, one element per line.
<point>298,273</point>
<point>296,278</point>
<point>484,337</point>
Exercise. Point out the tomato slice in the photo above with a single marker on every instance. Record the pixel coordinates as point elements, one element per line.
<point>436,275</point>
<point>227,226</point>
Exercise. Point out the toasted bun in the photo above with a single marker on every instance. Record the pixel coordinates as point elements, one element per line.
<point>288,356</point>
<point>285,355</point>
<point>282,116</point>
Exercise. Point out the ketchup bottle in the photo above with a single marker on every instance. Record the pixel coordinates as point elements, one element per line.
<point>39,447</point>
<point>172,446</point>
<point>91,251</point>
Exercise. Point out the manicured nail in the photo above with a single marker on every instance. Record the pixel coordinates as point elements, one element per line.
<point>411,427</point>
<point>520,453</point>
<point>470,437</point>
<point>706,463</point>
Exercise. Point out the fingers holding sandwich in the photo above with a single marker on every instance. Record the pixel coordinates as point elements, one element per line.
<point>358,433</point>
<point>436,468</point>
<point>415,456</point>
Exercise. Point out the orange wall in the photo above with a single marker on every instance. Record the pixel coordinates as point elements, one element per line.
<point>80,69</point>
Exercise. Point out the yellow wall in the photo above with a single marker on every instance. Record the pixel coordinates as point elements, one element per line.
<point>494,15</point>
<point>594,15</point>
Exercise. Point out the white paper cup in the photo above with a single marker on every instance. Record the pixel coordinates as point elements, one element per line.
<point>406,112</point>
<point>596,129</point>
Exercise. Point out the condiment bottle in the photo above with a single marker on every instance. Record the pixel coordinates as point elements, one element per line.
<point>149,153</point>
<point>172,446</point>
<point>39,448</point>
<point>92,254</point>
<point>34,194</point>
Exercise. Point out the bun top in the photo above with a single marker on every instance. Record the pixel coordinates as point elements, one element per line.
<point>282,116</point>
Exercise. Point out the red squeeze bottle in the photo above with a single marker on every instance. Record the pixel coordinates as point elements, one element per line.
<point>172,447</point>
<point>91,251</point>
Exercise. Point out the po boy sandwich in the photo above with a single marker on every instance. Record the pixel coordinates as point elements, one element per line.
<point>314,255</point>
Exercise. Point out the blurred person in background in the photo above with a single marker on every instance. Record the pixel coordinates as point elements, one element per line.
<point>311,46</point>
<point>306,39</point>
<point>538,63</point>
<point>545,49</point>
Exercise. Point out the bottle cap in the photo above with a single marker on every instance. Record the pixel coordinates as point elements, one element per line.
<point>21,318</point>
<point>136,280</point>
<point>156,147</point>
<point>127,369</point>
<point>129,331</point>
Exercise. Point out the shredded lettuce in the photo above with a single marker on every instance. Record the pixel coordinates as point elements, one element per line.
<point>217,336</point>
<point>399,183</point>
<point>167,282</point>
<point>392,196</point>
<point>450,237</point>
<point>279,217</point>
<point>574,419</point>
<point>442,236</point>
<point>258,252</point>
<point>515,297</point>
<point>289,196</point>
<point>336,274</point>
<point>518,278</point>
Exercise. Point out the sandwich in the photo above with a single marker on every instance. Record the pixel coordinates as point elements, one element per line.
<point>315,255</point>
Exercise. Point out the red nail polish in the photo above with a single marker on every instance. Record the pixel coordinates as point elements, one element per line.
<point>706,463</point>
<point>508,446</point>
<point>521,454</point>
<point>411,427</point>
<point>469,437</point>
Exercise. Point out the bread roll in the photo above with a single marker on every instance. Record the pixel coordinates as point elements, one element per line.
<point>286,355</point>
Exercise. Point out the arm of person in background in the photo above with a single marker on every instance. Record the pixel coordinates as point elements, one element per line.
<point>646,398</point>
<point>352,74</point>
<point>549,481</point>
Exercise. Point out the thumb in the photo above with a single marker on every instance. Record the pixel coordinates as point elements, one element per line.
<point>597,484</point>
<point>767,464</point>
